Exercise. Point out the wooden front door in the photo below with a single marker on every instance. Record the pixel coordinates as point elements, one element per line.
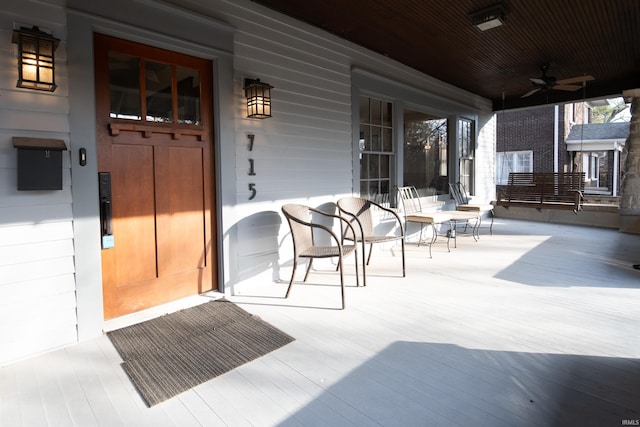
<point>154,135</point>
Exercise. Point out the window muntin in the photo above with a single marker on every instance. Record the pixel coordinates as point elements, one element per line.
<point>425,152</point>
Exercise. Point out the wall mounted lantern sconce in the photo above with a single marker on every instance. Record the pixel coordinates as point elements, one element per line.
<point>490,17</point>
<point>36,61</point>
<point>258,98</point>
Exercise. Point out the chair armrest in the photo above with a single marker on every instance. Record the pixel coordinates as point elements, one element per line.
<point>353,230</point>
<point>392,212</point>
<point>339,218</point>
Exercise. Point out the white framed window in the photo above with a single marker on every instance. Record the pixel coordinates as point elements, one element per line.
<point>466,152</point>
<point>512,161</point>
<point>377,154</point>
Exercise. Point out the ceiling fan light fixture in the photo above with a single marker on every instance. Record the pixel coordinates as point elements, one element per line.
<point>490,17</point>
<point>545,82</point>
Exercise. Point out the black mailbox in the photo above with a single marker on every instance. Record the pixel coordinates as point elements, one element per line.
<point>39,163</point>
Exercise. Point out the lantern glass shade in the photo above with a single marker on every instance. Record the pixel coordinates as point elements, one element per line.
<point>258,96</point>
<point>36,59</point>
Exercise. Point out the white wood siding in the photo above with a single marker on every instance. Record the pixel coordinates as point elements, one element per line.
<point>37,284</point>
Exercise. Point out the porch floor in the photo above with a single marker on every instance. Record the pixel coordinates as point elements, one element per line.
<point>536,325</point>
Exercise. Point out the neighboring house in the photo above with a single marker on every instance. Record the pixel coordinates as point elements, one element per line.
<point>600,145</point>
<point>560,138</point>
<point>152,94</point>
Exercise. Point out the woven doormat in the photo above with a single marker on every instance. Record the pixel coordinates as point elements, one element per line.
<point>173,353</point>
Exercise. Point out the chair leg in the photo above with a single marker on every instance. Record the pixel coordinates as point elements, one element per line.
<point>433,238</point>
<point>404,274</point>
<point>364,261</point>
<point>370,250</point>
<point>491,226</point>
<point>342,279</point>
<point>364,275</point>
<point>453,225</point>
<point>342,243</point>
<point>420,238</point>
<point>308,269</point>
<point>293,274</point>
<point>364,279</point>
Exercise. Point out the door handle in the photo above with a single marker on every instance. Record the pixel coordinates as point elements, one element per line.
<point>106,216</point>
<point>106,211</point>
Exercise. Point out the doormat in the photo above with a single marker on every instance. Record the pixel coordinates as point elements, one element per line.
<point>175,352</point>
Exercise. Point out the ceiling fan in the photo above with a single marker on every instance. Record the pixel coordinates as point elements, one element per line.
<point>545,82</point>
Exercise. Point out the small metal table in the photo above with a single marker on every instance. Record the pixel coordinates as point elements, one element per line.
<point>466,217</point>
<point>433,218</point>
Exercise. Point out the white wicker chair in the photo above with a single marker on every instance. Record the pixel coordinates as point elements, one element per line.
<point>304,246</point>
<point>358,212</point>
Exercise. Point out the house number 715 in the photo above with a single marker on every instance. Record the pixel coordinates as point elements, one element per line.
<point>252,172</point>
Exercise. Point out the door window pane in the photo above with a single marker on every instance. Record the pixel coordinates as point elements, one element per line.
<point>158,80</point>
<point>124,86</point>
<point>188,82</point>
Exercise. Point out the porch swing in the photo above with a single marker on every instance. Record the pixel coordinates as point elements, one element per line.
<point>548,190</point>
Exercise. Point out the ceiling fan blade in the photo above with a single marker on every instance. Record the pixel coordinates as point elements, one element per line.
<point>538,81</point>
<point>566,87</point>
<point>572,80</point>
<point>531,92</point>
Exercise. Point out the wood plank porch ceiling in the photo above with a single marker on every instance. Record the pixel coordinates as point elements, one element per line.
<point>576,37</point>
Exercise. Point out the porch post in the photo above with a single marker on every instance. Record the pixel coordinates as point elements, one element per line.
<point>630,184</point>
